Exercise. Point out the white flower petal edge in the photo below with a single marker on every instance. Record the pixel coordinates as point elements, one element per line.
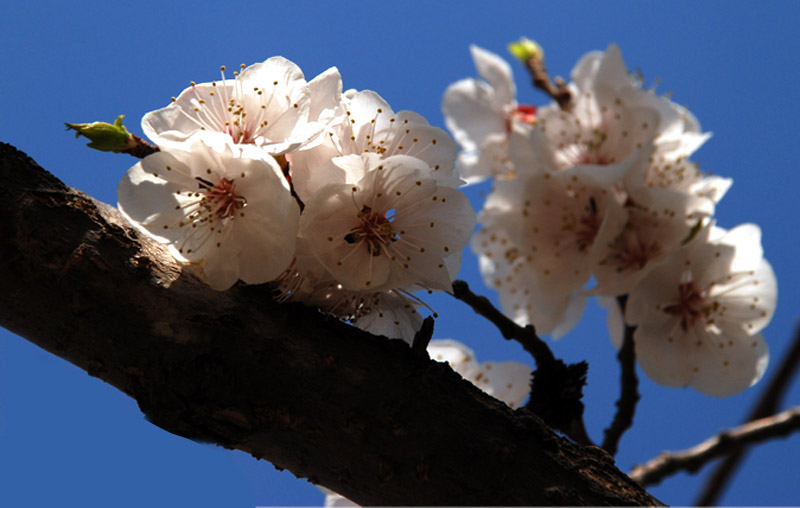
<point>266,106</point>
<point>326,92</point>
<point>334,500</point>
<point>481,115</point>
<point>698,316</point>
<point>615,321</point>
<point>507,381</point>
<point>391,313</point>
<point>230,218</point>
<point>496,72</point>
<point>471,113</point>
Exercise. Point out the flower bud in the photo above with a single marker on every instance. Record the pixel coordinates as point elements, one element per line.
<point>104,136</point>
<point>526,50</point>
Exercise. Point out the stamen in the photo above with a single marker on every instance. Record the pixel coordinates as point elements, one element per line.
<point>375,231</point>
<point>691,305</point>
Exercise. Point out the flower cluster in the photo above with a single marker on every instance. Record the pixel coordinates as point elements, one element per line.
<point>601,192</point>
<point>336,199</point>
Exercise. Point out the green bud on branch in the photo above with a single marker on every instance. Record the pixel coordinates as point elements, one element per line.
<point>112,138</point>
<point>526,50</point>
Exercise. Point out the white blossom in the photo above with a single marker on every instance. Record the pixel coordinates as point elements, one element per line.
<point>658,220</point>
<point>365,274</point>
<point>553,225</point>
<point>386,224</point>
<point>522,296</point>
<point>698,316</point>
<point>263,110</point>
<point>229,217</point>
<point>602,189</point>
<point>365,123</point>
<point>612,116</point>
<point>481,115</point>
<point>506,381</point>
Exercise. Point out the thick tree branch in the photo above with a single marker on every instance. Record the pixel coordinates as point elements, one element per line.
<point>666,464</point>
<point>362,415</point>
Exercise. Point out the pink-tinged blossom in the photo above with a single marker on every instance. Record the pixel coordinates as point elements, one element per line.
<point>555,224</point>
<point>230,218</point>
<point>699,315</point>
<point>611,118</point>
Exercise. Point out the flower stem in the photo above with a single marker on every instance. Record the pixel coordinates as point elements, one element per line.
<point>557,89</point>
<point>556,387</point>
<point>629,384</point>
<point>510,330</point>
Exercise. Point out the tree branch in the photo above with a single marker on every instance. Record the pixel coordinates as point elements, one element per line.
<point>768,404</point>
<point>526,336</point>
<point>556,388</point>
<point>557,89</point>
<point>362,415</point>
<point>666,464</point>
<point>629,389</point>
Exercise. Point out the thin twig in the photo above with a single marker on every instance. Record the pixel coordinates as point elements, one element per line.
<point>666,464</point>
<point>557,89</point>
<point>556,388</point>
<point>768,404</point>
<point>629,393</point>
<point>140,148</point>
<point>510,330</point>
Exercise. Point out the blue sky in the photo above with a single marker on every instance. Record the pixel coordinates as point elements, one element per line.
<point>70,440</point>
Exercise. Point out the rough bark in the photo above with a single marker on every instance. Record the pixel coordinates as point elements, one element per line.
<point>362,415</point>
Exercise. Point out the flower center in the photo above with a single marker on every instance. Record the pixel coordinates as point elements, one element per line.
<point>690,307</point>
<point>633,252</point>
<point>593,150</point>
<point>225,108</point>
<point>236,122</point>
<point>221,200</point>
<point>236,127</point>
<point>375,231</point>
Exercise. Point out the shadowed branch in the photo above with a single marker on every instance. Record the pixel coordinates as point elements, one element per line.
<point>365,416</point>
